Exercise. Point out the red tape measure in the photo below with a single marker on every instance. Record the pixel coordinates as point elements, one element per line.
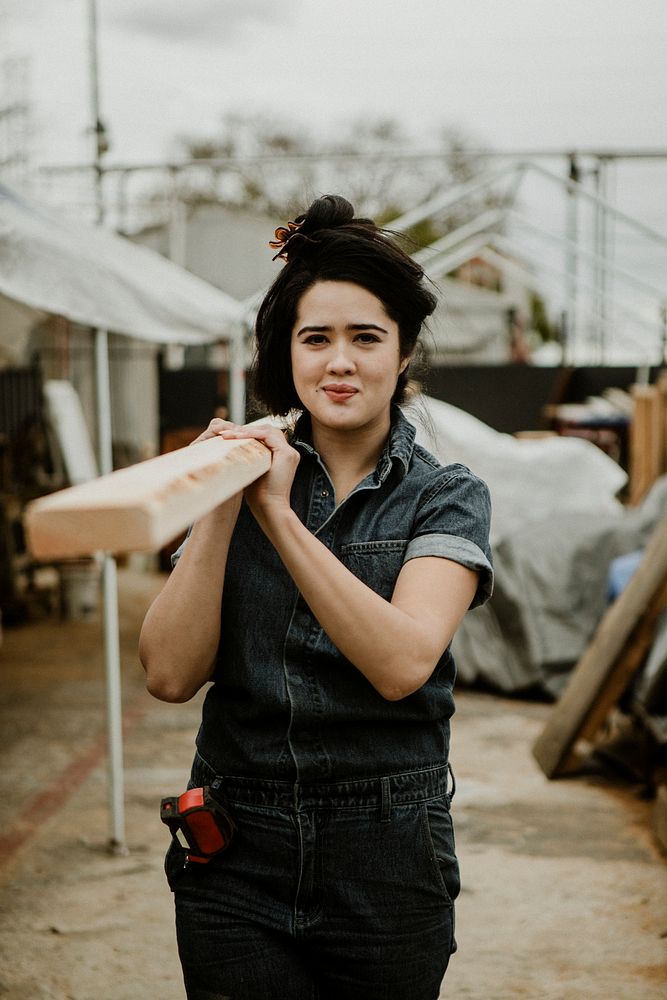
<point>199,823</point>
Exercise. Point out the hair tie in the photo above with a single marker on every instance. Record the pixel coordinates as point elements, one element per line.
<point>283,235</point>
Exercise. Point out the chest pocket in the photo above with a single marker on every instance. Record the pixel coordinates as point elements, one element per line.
<point>377,563</point>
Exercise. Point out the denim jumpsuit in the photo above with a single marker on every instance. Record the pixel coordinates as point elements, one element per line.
<point>341,879</point>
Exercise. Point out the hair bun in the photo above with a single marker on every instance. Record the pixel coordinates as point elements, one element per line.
<point>327,212</point>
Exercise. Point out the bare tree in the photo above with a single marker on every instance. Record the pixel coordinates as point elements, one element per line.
<point>277,167</point>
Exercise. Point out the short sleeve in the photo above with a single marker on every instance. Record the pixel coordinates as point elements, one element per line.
<point>453,523</point>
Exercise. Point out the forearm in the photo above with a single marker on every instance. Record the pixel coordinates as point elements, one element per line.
<point>181,632</point>
<point>391,648</point>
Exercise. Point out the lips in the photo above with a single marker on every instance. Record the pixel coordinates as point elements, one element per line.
<point>339,392</point>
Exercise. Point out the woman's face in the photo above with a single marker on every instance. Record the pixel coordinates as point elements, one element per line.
<point>346,356</point>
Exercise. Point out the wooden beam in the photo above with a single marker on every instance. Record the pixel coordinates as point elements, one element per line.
<point>646,440</point>
<point>662,390</point>
<point>142,507</point>
<point>614,654</point>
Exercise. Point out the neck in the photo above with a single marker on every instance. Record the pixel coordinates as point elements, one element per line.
<point>350,455</point>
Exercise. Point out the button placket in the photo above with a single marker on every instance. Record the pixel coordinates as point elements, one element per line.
<point>321,501</point>
<point>323,519</point>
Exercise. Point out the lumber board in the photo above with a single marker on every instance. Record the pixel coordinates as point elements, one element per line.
<point>646,440</point>
<point>144,506</point>
<point>614,654</point>
<point>628,663</point>
<point>662,390</point>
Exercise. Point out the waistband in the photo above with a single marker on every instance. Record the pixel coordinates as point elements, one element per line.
<point>383,791</point>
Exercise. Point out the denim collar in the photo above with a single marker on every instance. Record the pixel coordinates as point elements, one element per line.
<point>399,447</point>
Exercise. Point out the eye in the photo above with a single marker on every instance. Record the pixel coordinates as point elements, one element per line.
<point>367,338</point>
<point>315,339</point>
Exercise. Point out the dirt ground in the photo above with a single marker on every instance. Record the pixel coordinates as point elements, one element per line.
<point>563,887</point>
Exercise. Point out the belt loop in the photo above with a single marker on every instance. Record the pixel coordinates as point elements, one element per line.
<point>453,791</point>
<point>385,800</point>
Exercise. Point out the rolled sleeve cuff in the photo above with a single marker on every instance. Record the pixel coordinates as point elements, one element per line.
<point>460,550</point>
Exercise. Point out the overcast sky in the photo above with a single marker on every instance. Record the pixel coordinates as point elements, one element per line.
<point>526,73</point>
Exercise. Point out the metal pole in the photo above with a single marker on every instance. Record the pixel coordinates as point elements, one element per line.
<point>104,439</point>
<point>178,223</point>
<point>122,221</point>
<point>610,252</point>
<point>111,625</point>
<point>237,379</point>
<point>100,144</point>
<point>563,337</point>
<point>571,264</point>
<point>597,265</point>
<point>602,252</point>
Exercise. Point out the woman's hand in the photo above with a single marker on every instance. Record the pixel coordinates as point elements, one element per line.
<point>216,428</point>
<point>271,492</point>
<point>230,508</point>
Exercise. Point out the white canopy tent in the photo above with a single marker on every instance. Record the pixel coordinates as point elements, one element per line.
<point>50,265</point>
<point>97,278</point>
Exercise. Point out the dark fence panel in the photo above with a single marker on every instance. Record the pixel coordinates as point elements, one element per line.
<point>512,398</point>
<point>20,400</point>
<point>506,397</point>
<point>188,397</point>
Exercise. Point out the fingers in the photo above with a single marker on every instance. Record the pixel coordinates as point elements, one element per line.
<point>215,428</point>
<point>269,435</point>
<point>272,437</point>
<point>272,490</point>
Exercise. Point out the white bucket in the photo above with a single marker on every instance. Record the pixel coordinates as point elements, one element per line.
<point>79,589</point>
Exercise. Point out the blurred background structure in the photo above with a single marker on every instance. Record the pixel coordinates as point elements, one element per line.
<point>534,134</point>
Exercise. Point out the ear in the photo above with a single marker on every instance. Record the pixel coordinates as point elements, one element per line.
<point>404,364</point>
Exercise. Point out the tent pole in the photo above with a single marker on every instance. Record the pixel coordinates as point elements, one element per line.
<point>110,598</point>
<point>237,379</point>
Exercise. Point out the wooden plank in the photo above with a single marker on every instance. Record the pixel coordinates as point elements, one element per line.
<point>646,440</point>
<point>613,655</point>
<point>628,663</point>
<point>146,505</point>
<point>662,390</point>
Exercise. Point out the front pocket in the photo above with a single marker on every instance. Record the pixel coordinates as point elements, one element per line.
<point>376,563</point>
<point>439,833</point>
<point>174,864</point>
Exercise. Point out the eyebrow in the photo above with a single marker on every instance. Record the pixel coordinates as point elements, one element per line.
<point>350,326</point>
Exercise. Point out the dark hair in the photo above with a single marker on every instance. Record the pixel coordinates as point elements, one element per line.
<point>327,243</point>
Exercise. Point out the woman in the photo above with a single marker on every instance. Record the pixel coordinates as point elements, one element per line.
<point>321,604</point>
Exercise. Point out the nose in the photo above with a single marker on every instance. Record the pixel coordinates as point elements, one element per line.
<point>340,362</point>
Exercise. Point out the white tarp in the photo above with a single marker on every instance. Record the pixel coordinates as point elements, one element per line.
<point>96,278</point>
<point>529,479</point>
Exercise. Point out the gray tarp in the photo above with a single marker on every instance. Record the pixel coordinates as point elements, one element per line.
<point>551,592</point>
<point>556,530</point>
